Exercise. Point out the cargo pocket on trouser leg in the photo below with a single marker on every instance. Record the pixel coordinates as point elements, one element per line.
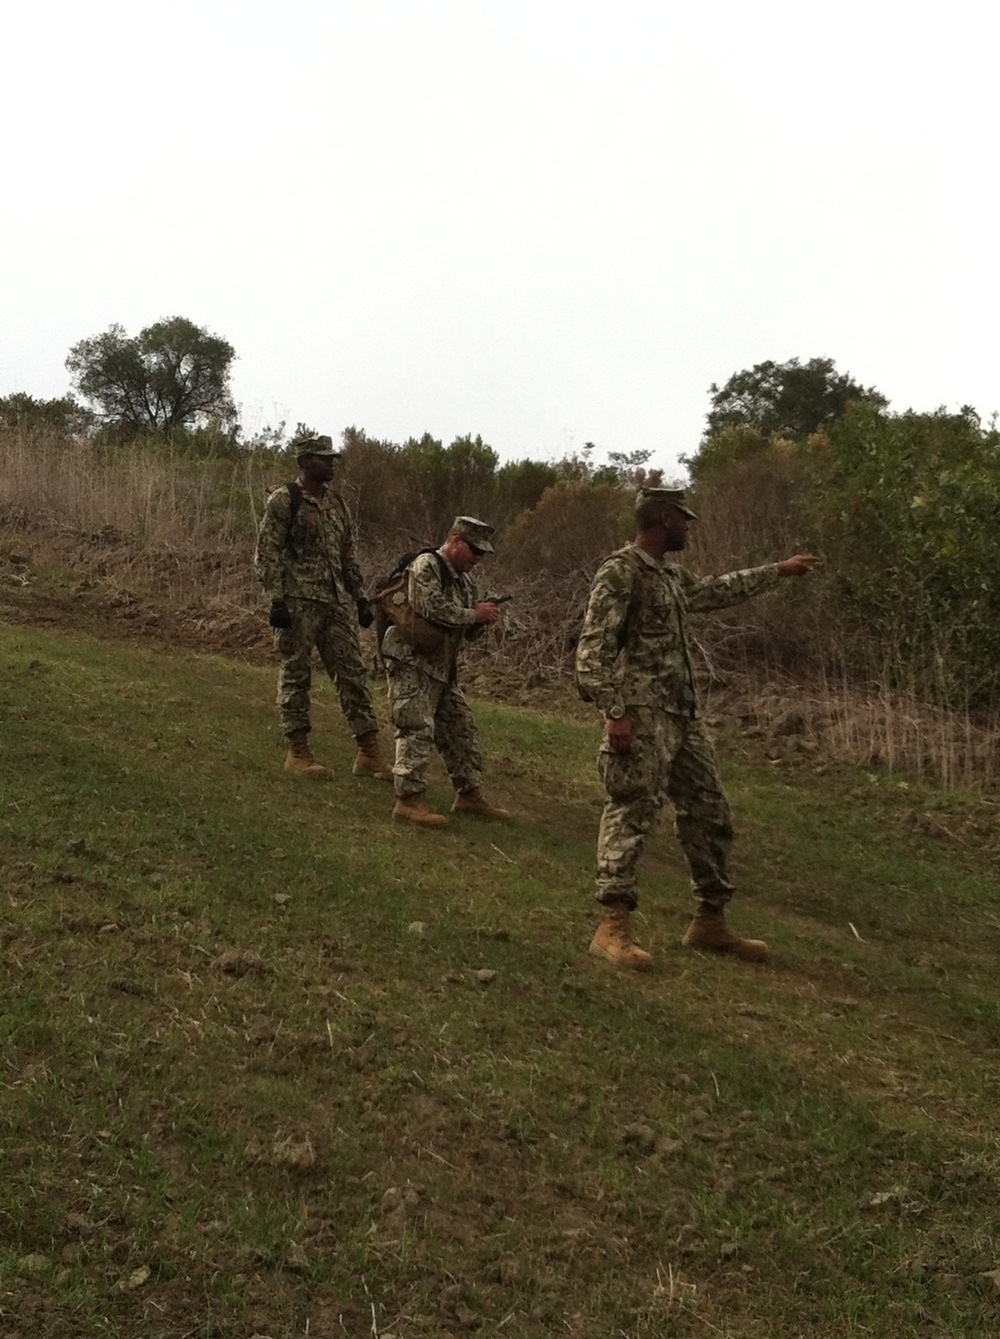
<point>627,776</point>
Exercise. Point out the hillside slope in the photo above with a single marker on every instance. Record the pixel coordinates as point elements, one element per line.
<point>275,1066</point>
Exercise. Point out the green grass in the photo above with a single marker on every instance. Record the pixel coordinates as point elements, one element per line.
<point>251,1081</point>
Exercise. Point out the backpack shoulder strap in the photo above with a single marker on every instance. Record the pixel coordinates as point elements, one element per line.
<point>408,559</point>
<point>443,569</point>
<point>643,581</point>
<point>295,498</point>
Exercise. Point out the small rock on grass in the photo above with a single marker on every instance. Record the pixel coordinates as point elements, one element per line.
<point>129,1282</point>
<point>292,1152</point>
<point>296,1259</point>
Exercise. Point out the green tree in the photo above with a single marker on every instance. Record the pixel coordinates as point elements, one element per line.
<point>906,507</point>
<point>573,526</point>
<point>789,400</point>
<point>519,485</point>
<point>22,412</point>
<point>171,376</point>
<point>449,480</point>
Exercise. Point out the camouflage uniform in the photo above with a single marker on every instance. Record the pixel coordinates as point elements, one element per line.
<point>633,659</point>
<point>428,708</point>
<point>312,567</point>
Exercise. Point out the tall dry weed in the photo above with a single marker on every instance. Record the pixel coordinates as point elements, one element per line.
<point>177,528</point>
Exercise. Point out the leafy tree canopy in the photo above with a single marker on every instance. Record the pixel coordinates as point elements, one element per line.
<point>789,400</point>
<point>22,412</point>
<point>172,375</point>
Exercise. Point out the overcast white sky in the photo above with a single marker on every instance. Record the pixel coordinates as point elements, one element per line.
<point>544,221</point>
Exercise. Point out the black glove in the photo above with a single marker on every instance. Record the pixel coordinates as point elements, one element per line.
<point>365,615</point>
<point>280,615</point>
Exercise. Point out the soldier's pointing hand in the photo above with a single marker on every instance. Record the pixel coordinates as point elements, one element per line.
<point>799,566</point>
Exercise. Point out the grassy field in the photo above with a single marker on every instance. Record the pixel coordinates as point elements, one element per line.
<point>273,1066</point>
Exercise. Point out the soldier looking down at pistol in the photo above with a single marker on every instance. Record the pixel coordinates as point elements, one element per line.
<point>436,609</point>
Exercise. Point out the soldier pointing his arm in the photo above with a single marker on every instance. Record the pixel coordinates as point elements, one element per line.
<point>633,662</point>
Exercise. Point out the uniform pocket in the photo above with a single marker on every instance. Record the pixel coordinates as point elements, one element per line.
<point>627,776</point>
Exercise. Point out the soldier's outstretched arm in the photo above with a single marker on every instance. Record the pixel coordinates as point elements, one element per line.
<point>704,593</point>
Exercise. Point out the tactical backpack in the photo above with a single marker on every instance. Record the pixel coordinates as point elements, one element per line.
<point>391,604</point>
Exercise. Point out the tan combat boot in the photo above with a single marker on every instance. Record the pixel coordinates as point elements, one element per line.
<point>299,758</point>
<point>472,802</point>
<point>369,761</point>
<point>709,931</point>
<point>613,940</point>
<point>414,810</point>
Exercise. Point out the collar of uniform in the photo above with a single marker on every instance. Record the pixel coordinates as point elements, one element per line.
<point>442,554</point>
<point>648,560</point>
<point>323,499</point>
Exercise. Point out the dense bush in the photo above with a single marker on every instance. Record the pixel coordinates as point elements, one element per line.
<point>902,509</point>
<point>906,508</point>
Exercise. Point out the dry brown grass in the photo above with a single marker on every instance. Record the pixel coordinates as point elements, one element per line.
<point>151,541</point>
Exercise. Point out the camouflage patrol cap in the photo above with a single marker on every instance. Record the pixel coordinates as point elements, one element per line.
<point>674,496</point>
<point>315,444</point>
<point>477,534</point>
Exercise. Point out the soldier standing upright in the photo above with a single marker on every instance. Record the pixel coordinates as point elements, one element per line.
<point>306,564</point>
<point>428,708</point>
<point>633,662</point>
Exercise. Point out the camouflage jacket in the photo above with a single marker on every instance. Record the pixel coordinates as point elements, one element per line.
<point>314,559</point>
<point>633,650</point>
<point>452,607</point>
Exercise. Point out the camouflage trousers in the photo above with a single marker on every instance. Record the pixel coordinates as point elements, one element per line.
<point>329,629</point>
<point>429,714</point>
<point>672,758</point>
